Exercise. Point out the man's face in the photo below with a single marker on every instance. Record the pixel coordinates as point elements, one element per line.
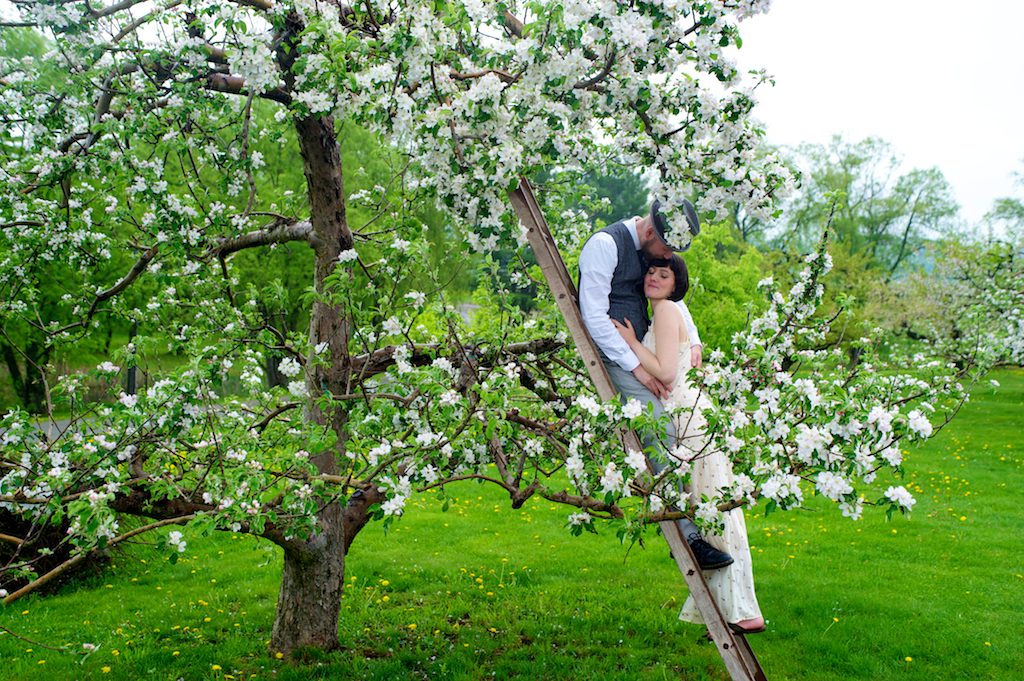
<point>651,244</point>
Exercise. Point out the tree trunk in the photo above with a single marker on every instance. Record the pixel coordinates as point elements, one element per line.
<point>13,369</point>
<point>28,385</point>
<point>35,398</point>
<point>309,604</point>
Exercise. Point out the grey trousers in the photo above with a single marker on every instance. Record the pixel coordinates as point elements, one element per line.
<point>627,385</point>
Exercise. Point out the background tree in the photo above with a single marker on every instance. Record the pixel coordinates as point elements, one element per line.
<point>972,303</point>
<point>625,191</point>
<point>1007,214</point>
<point>724,272</point>
<point>879,211</point>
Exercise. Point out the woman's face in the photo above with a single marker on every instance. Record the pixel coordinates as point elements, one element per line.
<point>659,283</point>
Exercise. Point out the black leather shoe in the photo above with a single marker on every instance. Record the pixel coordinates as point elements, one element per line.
<point>708,557</point>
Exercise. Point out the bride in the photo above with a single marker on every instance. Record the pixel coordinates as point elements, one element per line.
<point>665,352</point>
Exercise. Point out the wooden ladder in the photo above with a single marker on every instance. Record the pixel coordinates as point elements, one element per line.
<point>739,659</point>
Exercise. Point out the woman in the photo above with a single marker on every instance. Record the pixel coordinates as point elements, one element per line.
<point>665,352</point>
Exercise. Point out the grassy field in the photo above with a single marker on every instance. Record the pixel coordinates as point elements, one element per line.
<point>482,591</point>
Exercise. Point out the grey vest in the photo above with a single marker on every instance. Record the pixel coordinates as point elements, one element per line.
<point>627,300</point>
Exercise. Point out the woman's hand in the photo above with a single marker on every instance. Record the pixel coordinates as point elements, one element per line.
<point>626,331</point>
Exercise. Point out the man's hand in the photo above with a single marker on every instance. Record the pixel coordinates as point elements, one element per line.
<point>659,389</point>
<point>695,356</point>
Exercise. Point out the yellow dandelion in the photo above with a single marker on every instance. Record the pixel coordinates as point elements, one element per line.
<point>412,627</point>
<point>105,670</point>
<point>908,658</point>
<point>215,667</point>
<point>278,655</point>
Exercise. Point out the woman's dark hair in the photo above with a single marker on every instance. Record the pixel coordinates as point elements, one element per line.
<point>678,267</point>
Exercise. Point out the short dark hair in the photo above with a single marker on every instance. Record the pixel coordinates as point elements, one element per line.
<point>678,267</point>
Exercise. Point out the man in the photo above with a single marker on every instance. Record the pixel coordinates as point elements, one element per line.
<point>612,267</point>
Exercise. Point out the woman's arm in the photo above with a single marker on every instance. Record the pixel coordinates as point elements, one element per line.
<point>665,364</point>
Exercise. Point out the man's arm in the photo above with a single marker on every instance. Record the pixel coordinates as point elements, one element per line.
<point>597,265</point>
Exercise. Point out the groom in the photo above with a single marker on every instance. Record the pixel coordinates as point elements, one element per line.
<point>612,267</point>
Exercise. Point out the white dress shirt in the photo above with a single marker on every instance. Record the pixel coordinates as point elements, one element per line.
<point>597,265</point>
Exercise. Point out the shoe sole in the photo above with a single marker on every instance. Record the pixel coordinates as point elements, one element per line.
<point>716,566</point>
<point>740,630</point>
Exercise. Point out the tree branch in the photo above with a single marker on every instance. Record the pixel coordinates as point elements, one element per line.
<point>235,85</point>
<point>276,234</point>
<point>75,560</point>
<point>262,425</point>
<point>591,82</point>
<point>504,76</point>
<point>380,360</point>
<point>587,503</point>
<point>11,539</point>
<point>512,24</point>
<point>137,269</point>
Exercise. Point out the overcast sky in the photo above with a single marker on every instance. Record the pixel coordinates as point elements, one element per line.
<point>941,81</point>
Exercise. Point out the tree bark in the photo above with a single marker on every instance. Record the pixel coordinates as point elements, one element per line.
<point>309,603</point>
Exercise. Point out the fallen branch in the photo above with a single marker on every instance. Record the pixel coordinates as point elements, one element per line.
<point>75,560</point>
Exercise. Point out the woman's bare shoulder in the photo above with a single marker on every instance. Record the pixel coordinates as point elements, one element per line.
<point>661,311</point>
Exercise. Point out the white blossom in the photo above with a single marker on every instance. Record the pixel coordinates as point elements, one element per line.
<point>919,423</point>
<point>900,495</point>
<point>833,485</point>
<point>611,479</point>
<point>632,408</point>
<point>176,541</point>
<point>289,367</point>
<point>636,460</point>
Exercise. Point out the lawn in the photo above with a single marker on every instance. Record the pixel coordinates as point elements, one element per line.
<point>483,591</point>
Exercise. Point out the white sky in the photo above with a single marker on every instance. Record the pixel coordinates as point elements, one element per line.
<point>941,81</point>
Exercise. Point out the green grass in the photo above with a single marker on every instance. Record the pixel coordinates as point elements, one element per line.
<point>497,593</point>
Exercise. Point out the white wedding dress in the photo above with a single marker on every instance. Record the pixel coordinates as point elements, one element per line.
<point>732,586</point>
